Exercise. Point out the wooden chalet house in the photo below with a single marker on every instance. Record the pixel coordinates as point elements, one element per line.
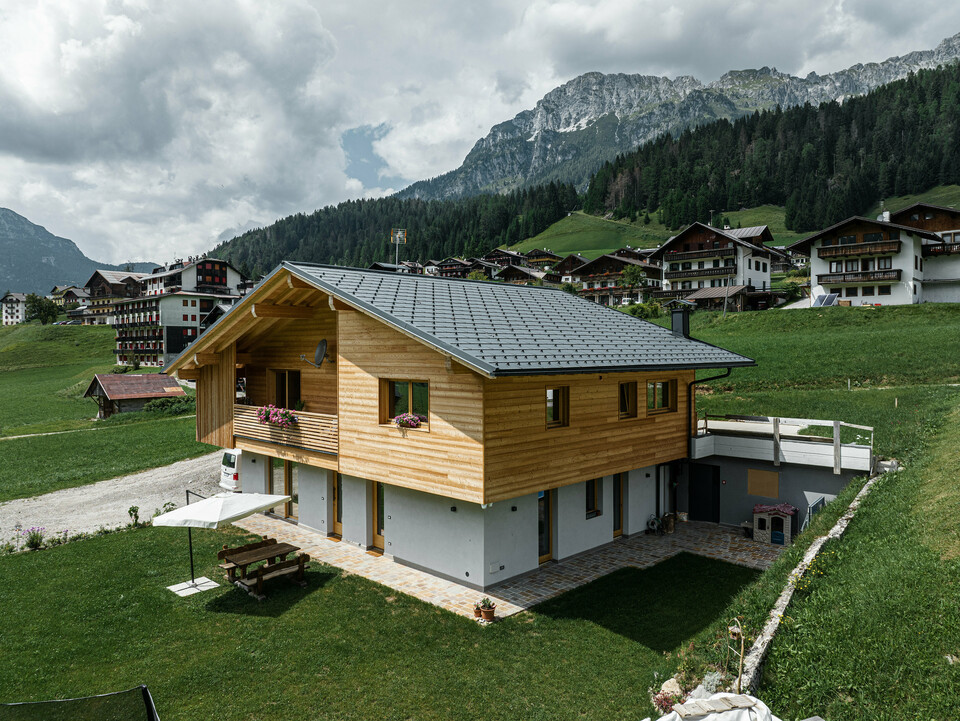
<point>172,309</point>
<point>542,258</point>
<point>912,256</point>
<point>56,294</point>
<point>13,308</point>
<point>503,257</point>
<point>546,425</point>
<point>601,280</point>
<point>523,275</point>
<point>721,266</point>
<point>105,288</point>
<point>569,264</point>
<point>453,267</point>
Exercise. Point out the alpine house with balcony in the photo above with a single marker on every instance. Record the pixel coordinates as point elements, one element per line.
<point>471,429</point>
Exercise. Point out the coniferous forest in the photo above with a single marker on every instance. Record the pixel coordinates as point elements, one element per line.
<point>823,163</point>
<point>357,232</point>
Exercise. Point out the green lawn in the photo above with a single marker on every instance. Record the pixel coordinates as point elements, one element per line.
<point>592,236</point>
<point>946,195</point>
<point>95,616</point>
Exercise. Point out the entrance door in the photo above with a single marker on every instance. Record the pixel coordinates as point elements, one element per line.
<point>618,479</point>
<point>378,516</point>
<point>337,504</point>
<point>291,487</point>
<point>544,526</point>
<point>704,493</point>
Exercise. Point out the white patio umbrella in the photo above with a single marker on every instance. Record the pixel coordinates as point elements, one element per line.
<point>216,511</point>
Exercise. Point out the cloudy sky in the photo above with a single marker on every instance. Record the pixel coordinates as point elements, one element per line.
<point>143,129</point>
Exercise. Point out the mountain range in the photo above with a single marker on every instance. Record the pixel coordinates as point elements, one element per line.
<point>574,128</point>
<point>33,260</point>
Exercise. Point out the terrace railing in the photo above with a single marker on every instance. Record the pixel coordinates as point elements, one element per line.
<point>708,253</point>
<point>312,431</point>
<point>701,272</point>
<point>879,247</point>
<point>945,249</point>
<point>867,276</point>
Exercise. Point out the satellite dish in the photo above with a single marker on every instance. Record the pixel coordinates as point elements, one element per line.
<point>318,355</point>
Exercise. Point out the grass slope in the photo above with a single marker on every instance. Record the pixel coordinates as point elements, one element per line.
<point>344,647</point>
<point>945,195</point>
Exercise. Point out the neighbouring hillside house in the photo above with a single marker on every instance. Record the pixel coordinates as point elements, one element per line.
<point>129,392</point>
<point>175,305</point>
<point>105,288</point>
<point>715,267</point>
<point>569,264</point>
<point>542,258</point>
<point>601,280</point>
<point>56,295</point>
<point>13,308</point>
<point>524,275</point>
<point>475,430</point>
<point>907,257</point>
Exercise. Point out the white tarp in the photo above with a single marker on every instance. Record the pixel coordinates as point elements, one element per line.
<point>717,708</point>
<point>219,510</point>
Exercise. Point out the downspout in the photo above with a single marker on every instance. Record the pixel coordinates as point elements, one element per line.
<point>690,386</point>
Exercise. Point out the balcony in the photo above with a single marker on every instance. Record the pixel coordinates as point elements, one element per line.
<point>312,432</point>
<point>869,276</point>
<point>701,272</point>
<point>699,254</point>
<point>677,293</point>
<point>945,249</point>
<point>881,247</point>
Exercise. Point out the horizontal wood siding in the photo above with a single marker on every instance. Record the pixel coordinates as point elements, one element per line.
<point>523,456</point>
<point>215,397</point>
<point>447,459</point>
<point>312,431</point>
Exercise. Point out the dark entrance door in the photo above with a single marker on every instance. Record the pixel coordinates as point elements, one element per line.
<point>704,493</point>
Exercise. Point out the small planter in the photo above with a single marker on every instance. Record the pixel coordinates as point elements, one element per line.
<point>476,611</point>
<point>487,614</point>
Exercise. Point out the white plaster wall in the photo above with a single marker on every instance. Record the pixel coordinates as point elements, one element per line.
<point>574,531</point>
<point>510,538</point>
<point>253,472</point>
<point>357,512</point>
<point>314,491</point>
<point>639,499</point>
<point>423,531</point>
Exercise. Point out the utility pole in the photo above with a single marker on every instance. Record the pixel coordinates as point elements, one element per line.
<point>398,236</point>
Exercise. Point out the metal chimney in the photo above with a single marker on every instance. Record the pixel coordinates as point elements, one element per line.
<point>680,320</point>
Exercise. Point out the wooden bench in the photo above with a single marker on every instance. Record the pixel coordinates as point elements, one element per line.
<point>231,568</point>
<point>294,568</point>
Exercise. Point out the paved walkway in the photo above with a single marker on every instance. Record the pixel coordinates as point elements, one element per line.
<point>552,579</point>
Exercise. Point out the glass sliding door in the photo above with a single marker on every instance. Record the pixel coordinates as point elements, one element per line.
<point>291,487</point>
<point>337,504</point>
<point>544,526</point>
<point>378,516</point>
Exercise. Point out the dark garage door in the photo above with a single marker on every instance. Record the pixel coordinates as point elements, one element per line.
<point>704,493</point>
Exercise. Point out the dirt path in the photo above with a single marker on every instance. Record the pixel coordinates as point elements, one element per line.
<point>86,508</point>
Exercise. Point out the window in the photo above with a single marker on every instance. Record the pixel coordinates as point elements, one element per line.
<point>661,396</point>
<point>628,400</point>
<point>716,263</point>
<point>558,406</point>
<point>852,292</point>
<point>286,388</point>
<point>866,264</point>
<point>593,493</point>
<point>884,263</point>
<point>836,266</point>
<point>700,265</point>
<point>402,396</point>
<point>853,266</point>
<point>729,262</point>
<point>193,303</point>
<point>872,237</point>
<point>916,262</point>
<point>184,304</point>
<point>928,216</point>
<point>867,290</point>
<point>894,234</point>
<point>764,267</point>
<point>848,239</point>
<point>185,316</point>
<point>883,290</point>
<point>749,267</point>
<point>686,266</point>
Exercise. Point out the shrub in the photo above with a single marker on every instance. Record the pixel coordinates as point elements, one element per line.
<point>181,405</point>
<point>33,537</point>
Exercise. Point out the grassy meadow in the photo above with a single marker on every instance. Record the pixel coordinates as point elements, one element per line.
<point>44,372</point>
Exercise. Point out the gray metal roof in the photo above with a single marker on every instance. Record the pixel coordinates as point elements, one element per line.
<point>502,329</point>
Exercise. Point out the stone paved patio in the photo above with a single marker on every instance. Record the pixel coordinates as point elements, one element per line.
<point>551,579</point>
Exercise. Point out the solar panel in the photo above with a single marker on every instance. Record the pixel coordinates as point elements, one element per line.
<point>830,299</point>
<point>818,301</point>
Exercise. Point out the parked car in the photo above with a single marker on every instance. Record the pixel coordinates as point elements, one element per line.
<point>230,471</point>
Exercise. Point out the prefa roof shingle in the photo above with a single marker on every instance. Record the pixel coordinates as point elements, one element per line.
<point>503,329</point>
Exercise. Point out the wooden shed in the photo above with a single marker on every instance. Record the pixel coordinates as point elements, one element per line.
<point>127,392</point>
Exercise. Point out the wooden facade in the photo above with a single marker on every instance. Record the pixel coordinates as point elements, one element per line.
<point>932,218</point>
<point>486,439</point>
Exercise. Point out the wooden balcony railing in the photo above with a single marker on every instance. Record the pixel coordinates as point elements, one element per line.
<point>945,249</point>
<point>312,431</point>
<point>879,247</point>
<point>869,276</point>
<point>708,253</point>
<point>701,272</point>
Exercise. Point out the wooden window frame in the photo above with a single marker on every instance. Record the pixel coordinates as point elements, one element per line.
<point>385,418</point>
<point>593,490</point>
<point>631,395</point>
<point>561,403</point>
<point>671,406</point>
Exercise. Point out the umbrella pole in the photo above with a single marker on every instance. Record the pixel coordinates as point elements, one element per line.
<point>193,581</point>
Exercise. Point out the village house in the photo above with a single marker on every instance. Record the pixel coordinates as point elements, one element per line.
<point>715,267</point>
<point>523,275</point>
<point>601,280</point>
<point>565,267</point>
<point>13,308</point>
<point>542,258</point>
<point>105,288</point>
<point>912,256</point>
<point>129,392</point>
<point>173,309</point>
<point>56,295</point>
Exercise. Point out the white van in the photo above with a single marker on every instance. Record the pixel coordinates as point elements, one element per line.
<point>230,470</point>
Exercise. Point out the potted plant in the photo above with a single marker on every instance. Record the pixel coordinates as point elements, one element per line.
<point>487,609</point>
<point>476,609</point>
<point>407,420</point>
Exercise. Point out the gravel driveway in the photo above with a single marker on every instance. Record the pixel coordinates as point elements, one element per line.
<point>86,508</point>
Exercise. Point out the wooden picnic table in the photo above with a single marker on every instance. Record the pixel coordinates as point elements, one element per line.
<point>271,554</point>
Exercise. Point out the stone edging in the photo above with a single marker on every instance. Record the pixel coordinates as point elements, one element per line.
<point>753,663</point>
